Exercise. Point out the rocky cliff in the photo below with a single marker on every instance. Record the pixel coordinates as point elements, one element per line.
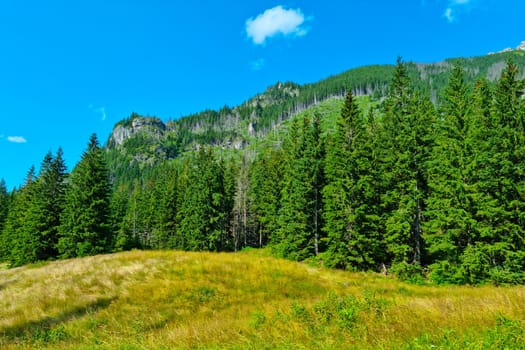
<point>134,125</point>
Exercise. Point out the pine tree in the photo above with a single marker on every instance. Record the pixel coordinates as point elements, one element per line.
<point>4,204</point>
<point>450,211</point>
<point>352,239</point>
<point>85,225</point>
<point>202,212</point>
<point>13,244</point>
<point>341,174</point>
<point>166,208</point>
<point>119,207</point>
<point>300,214</point>
<point>50,196</point>
<point>291,238</point>
<point>502,184</point>
<point>265,194</point>
<point>130,232</point>
<point>407,142</point>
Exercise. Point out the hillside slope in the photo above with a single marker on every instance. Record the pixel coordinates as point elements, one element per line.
<point>146,140</point>
<point>169,299</point>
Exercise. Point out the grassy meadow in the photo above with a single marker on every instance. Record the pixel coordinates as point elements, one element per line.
<point>247,300</point>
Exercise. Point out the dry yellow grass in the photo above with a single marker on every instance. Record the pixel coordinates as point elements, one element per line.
<point>166,300</point>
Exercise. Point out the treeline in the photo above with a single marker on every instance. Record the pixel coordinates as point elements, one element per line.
<point>281,101</point>
<point>404,186</point>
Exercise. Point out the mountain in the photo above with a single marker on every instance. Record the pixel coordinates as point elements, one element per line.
<point>145,140</point>
<point>419,175</point>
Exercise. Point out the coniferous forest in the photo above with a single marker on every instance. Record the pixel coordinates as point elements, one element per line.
<point>397,179</point>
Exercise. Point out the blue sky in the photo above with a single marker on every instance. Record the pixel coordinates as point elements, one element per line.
<point>71,68</point>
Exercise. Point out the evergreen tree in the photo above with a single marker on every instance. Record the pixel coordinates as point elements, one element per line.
<point>166,208</point>
<point>50,196</point>
<point>131,232</point>
<point>352,239</point>
<point>265,194</point>
<point>119,205</point>
<point>407,142</point>
<point>502,183</point>
<point>4,204</point>
<point>85,225</point>
<point>202,210</point>
<point>13,242</point>
<point>450,211</point>
<point>291,238</point>
<point>300,214</point>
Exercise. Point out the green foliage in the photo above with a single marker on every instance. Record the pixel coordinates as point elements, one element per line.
<point>85,221</point>
<point>265,192</point>
<point>350,209</point>
<point>4,203</point>
<point>31,232</point>
<point>407,142</point>
<point>343,311</point>
<point>299,229</point>
<point>13,242</point>
<point>423,177</point>
<point>203,208</point>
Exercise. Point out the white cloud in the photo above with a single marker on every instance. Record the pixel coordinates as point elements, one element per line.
<point>99,110</point>
<point>258,64</point>
<point>448,15</point>
<point>274,21</point>
<point>16,139</point>
<point>456,7</point>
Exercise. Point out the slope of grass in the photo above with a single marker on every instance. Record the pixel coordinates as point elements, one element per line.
<point>166,300</point>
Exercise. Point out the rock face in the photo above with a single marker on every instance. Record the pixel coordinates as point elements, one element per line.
<point>152,126</point>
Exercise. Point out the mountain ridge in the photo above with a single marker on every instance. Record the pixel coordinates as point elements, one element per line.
<point>237,127</point>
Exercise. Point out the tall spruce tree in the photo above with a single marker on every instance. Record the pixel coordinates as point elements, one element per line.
<point>450,211</point>
<point>13,243</point>
<point>502,183</point>
<point>202,212</point>
<point>165,207</point>
<point>119,204</point>
<point>265,193</point>
<point>407,143</point>
<point>38,234</point>
<point>303,178</point>
<point>4,204</point>
<point>85,222</point>
<point>342,174</point>
<point>50,196</point>
<point>131,231</point>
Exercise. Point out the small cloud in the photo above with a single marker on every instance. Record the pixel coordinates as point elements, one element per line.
<point>448,15</point>
<point>99,110</point>
<point>274,21</point>
<point>16,139</point>
<point>257,65</point>
<point>456,7</point>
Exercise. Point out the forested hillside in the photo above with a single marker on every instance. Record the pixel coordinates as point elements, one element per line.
<point>412,169</point>
<point>148,139</point>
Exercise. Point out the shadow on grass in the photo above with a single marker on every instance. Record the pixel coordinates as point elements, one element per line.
<point>6,284</point>
<point>48,322</point>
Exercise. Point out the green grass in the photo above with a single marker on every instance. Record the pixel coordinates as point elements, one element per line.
<point>247,300</point>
